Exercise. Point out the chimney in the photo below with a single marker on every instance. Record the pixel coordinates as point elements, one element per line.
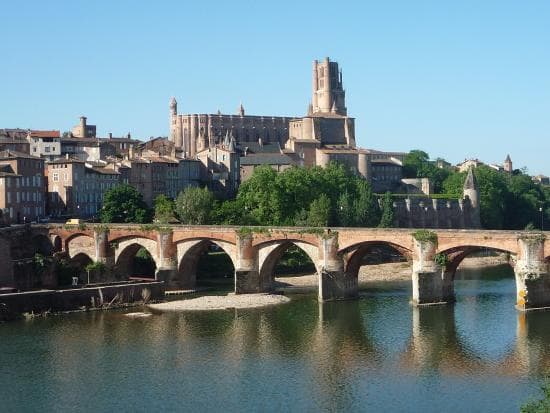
<point>110,135</point>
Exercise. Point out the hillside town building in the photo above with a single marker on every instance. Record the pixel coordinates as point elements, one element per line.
<point>76,188</point>
<point>45,144</point>
<point>21,187</point>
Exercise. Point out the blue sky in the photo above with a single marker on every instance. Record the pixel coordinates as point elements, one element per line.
<point>458,79</point>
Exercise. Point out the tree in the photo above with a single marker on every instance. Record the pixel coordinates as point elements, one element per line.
<point>415,163</point>
<point>123,203</point>
<point>492,190</point>
<point>386,221</point>
<point>344,211</point>
<point>164,209</point>
<point>300,219</point>
<point>319,212</point>
<point>261,196</point>
<point>194,206</point>
<point>231,212</point>
<point>367,210</point>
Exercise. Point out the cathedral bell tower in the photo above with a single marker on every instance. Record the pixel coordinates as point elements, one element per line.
<point>328,91</point>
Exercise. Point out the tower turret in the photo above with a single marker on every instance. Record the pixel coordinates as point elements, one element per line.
<point>508,164</point>
<point>471,191</point>
<point>173,106</point>
<point>175,132</point>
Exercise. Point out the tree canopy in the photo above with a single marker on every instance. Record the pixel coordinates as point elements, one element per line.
<point>506,201</point>
<point>164,209</point>
<point>194,206</point>
<point>123,203</point>
<point>304,196</point>
<point>417,164</point>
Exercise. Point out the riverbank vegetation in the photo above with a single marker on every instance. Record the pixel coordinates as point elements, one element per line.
<point>507,201</point>
<point>334,196</point>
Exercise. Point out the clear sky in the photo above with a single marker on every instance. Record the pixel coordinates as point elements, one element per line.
<point>458,79</point>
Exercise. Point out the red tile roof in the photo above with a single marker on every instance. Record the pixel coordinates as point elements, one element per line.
<point>45,134</point>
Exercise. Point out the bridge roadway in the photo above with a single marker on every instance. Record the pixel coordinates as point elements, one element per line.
<point>336,253</point>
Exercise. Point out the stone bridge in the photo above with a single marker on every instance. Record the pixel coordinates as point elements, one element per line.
<point>336,252</point>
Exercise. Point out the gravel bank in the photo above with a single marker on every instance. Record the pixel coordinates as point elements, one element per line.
<point>395,271</point>
<point>222,302</point>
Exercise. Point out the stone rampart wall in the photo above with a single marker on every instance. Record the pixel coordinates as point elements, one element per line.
<point>433,213</point>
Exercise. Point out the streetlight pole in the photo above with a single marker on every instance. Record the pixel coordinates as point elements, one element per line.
<point>541,210</point>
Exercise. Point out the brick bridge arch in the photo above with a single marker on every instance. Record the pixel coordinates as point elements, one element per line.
<point>188,253</point>
<point>64,235</point>
<point>456,255</point>
<point>80,243</point>
<point>270,252</point>
<point>126,248</point>
<point>353,255</point>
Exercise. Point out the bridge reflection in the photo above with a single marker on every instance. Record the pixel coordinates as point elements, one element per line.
<point>331,344</point>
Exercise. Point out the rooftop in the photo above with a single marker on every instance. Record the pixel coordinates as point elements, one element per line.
<point>45,134</point>
<point>9,154</point>
<point>65,160</point>
<point>266,159</point>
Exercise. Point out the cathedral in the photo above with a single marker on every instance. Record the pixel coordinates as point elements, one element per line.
<point>230,147</point>
<point>324,135</point>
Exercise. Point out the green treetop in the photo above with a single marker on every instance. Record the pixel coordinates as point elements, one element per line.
<point>123,203</point>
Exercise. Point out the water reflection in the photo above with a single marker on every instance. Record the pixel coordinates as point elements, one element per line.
<point>299,356</point>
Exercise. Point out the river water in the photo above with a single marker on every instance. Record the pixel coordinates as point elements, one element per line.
<point>377,353</point>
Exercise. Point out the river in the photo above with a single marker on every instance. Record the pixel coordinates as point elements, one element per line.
<point>376,353</point>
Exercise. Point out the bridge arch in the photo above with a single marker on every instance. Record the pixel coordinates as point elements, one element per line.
<point>126,250</point>
<point>42,244</point>
<point>82,259</point>
<point>189,253</point>
<point>270,253</point>
<point>456,255</point>
<point>354,254</point>
<point>57,242</point>
<point>80,243</point>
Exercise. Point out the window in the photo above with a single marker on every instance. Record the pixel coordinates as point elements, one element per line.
<point>46,149</point>
<point>55,176</point>
<point>9,197</point>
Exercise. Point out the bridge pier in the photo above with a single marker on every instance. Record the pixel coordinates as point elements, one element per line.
<point>431,283</point>
<point>247,273</point>
<point>105,254</point>
<point>167,270</point>
<point>103,251</point>
<point>334,282</point>
<point>532,273</point>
